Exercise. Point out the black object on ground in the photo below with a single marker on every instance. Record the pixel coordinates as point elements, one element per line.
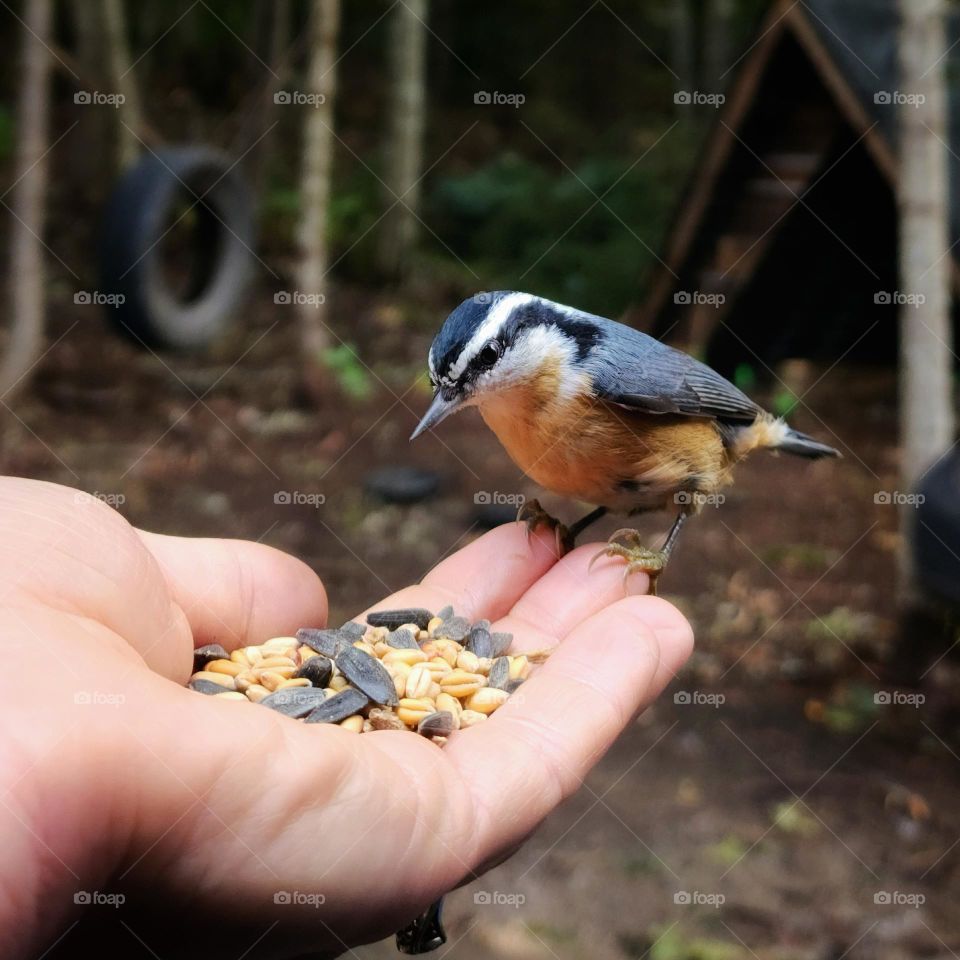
<point>490,515</point>
<point>402,485</point>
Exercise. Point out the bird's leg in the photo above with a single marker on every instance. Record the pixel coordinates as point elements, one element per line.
<point>575,529</point>
<point>638,557</point>
<point>535,515</point>
<point>424,934</point>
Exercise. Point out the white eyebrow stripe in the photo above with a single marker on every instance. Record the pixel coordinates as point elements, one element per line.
<point>495,319</point>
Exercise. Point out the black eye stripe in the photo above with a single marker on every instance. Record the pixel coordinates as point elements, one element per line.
<point>488,354</point>
<point>481,361</point>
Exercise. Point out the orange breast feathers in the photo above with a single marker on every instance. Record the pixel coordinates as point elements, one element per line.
<point>604,454</point>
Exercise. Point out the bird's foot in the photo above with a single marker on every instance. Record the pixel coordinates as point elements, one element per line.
<point>535,516</point>
<point>639,558</point>
<point>425,934</point>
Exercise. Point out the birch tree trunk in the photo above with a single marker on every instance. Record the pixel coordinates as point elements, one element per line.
<point>316,166</point>
<point>129,115</point>
<point>404,152</point>
<point>926,395</point>
<point>28,200</point>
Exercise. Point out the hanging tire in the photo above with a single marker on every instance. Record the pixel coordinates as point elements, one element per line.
<point>172,292</point>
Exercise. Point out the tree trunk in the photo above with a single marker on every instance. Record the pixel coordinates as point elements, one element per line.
<point>28,200</point>
<point>261,156</point>
<point>926,396</point>
<point>91,176</point>
<point>88,27</point>
<point>682,55</point>
<point>404,152</point>
<point>316,165</point>
<point>130,128</point>
<point>716,44</point>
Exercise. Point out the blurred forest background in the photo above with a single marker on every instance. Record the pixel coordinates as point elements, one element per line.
<point>787,799</point>
<point>501,185</point>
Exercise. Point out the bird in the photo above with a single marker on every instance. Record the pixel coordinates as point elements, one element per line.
<point>600,412</point>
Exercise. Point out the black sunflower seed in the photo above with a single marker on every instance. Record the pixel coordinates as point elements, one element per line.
<point>391,619</point>
<point>317,670</point>
<point>402,640</point>
<point>501,643</point>
<point>327,642</point>
<point>208,687</point>
<point>438,724</point>
<point>353,630</point>
<point>368,674</point>
<point>294,702</point>
<point>511,685</point>
<point>499,674</point>
<point>446,613</point>
<point>339,707</point>
<point>203,655</point>
<point>480,642</point>
<point>456,628</point>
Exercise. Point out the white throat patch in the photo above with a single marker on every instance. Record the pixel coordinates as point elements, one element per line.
<point>535,349</point>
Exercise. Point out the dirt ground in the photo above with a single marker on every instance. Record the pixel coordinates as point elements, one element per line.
<point>767,807</point>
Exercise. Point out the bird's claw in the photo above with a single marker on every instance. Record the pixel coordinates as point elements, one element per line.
<point>533,515</point>
<point>639,558</point>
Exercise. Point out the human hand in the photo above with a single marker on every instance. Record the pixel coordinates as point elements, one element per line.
<point>200,811</point>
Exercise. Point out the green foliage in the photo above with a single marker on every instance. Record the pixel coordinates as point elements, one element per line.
<point>850,708</point>
<point>548,933</point>
<point>791,817</point>
<point>745,377</point>
<point>728,851</point>
<point>673,944</point>
<point>798,558</point>
<point>640,866</point>
<point>785,402</point>
<point>351,374</point>
<point>355,206</point>
<point>523,225</point>
<point>843,624</point>
<point>282,201</point>
<point>422,384</point>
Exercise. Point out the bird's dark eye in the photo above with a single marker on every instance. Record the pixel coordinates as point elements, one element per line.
<point>489,354</point>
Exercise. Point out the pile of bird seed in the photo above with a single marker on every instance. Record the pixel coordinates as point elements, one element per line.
<point>405,670</point>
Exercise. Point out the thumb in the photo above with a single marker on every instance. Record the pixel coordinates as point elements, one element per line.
<point>235,592</point>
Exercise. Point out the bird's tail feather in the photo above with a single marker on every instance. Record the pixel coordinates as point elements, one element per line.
<point>800,445</point>
<point>771,433</point>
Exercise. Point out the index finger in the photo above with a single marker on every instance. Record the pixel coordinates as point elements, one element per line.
<point>541,743</point>
<point>484,579</point>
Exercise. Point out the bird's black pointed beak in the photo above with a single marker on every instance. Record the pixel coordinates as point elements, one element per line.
<point>439,410</point>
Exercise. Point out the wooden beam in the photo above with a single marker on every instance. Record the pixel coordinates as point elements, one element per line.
<point>848,101</point>
<point>720,144</point>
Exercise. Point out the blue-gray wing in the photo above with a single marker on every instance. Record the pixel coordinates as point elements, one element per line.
<point>636,371</point>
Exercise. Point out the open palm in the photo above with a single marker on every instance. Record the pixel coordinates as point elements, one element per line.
<point>203,814</point>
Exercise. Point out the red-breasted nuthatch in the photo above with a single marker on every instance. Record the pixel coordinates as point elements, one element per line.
<point>599,412</point>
